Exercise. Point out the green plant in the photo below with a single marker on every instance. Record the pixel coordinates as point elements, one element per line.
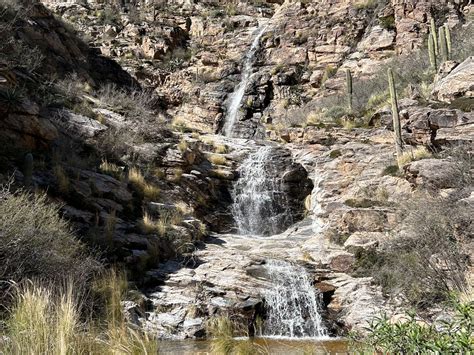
<point>443,46</point>
<point>432,52</point>
<point>434,33</point>
<point>36,243</point>
<point>335,153</point>
<point>413,336</point>
<point>448,38</point>
<point>391,170</point>
<point>395,115</point>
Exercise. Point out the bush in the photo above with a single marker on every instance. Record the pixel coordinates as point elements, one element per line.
<point>36,243</point>
<point>416,337</point>
<point>425,262</point>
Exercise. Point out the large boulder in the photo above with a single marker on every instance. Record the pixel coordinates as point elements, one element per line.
<point>457,85</point>
<point>434,173</point>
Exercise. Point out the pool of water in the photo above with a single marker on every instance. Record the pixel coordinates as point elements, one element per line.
<point>272,345</point>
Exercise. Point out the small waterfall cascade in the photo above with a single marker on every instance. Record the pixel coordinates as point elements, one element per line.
<point>293,304</point>
<point>258,207</point>
<point>236,97</point>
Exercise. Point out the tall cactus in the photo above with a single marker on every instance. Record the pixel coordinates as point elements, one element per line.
<point>432,52</point>
<point>28,169</point>
<point>434,33</point>
<point>395,115</point>
<point>448,38</point>
<point>349,89</point>
<point>443,46</point>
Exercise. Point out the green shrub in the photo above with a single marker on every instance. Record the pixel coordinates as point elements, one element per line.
<point>416,337</point>
<point>36,243</point>
<point>335,153</point>
<point>391,170</point>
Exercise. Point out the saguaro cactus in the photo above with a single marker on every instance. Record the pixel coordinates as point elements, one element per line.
<point>395,115</point>
<point>432,52</point>
<point>448,38</point>
<point>28,169</point>
<point>443,46</point>
<point>434,33</point>
<point>349,88</point>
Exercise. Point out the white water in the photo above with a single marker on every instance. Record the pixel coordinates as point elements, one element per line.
<point>236,97</point>
<point>293,304</point>
<point>255,195</point>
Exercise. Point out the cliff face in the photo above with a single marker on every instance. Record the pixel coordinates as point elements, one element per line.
<point>144,177</point>
<point>305,48</point>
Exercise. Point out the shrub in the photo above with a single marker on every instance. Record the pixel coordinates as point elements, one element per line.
<point>137,104</point>
<point>391,170</point>
<point>416,337</point>
<point>36,243</point>
<point>425,262</point>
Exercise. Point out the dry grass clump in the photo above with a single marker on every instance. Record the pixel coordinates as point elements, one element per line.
<point>161,225</point>
<point>111,169</point>
<point>223,330</point>
<point>217,159</point>
<point>136,178</point>
<point>182,146</point>
<point>414,154</point>
<point>221,148</point>
<point>48,320</point>
<point>184,208</point>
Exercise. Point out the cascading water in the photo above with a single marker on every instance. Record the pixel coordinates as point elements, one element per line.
<point>293,304</point>
<point>258,207</point>
<point>239,92</point>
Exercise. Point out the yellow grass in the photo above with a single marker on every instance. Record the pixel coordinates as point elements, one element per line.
<point>217,159</point>
<point>47,320</point>
<point>411,154</point>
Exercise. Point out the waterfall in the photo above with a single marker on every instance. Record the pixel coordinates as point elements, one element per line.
<point>239,92</point>
<point>293,304</point>
<point>259,202</point>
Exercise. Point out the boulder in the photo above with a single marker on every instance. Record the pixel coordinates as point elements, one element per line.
<point>457,85</point>
<point>434,173</point>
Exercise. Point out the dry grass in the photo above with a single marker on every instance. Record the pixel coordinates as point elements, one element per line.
<point>182,146</point>
<point>217,159</point>
<point>47,320</point>
<point>161,225</point>
<point>221,148</point>
<point>184,208</point>
<point>417,153</point>
<point>223,330</point>
<point>111,169</point>
<point>136,178</point>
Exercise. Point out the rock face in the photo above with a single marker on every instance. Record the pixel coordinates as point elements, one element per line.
<point>457,85</point>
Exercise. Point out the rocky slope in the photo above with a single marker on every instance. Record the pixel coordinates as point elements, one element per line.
<point>172,227</point>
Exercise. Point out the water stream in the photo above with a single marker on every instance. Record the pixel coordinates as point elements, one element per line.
<point>236,97</point>
<point>259,201</point>
<point>293,304</point>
